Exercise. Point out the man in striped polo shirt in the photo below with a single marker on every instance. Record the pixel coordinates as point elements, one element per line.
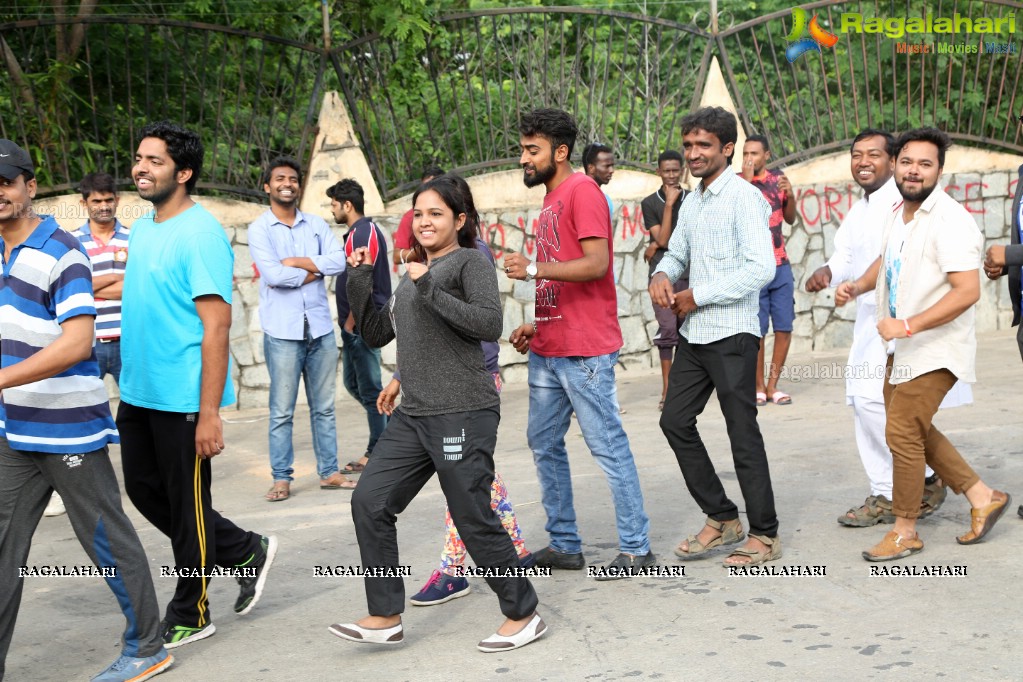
<point>106,241</point>
<point>55,422</point>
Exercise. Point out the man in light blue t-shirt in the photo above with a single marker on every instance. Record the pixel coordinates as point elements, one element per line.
<point>176,318</point>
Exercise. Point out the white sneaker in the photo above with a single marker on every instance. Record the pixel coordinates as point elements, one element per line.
<point>55,507</point>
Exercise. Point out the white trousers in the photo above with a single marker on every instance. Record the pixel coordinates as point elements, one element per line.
<point>869,419</point>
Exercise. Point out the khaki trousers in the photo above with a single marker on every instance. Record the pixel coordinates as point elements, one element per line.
<point>914,441</point>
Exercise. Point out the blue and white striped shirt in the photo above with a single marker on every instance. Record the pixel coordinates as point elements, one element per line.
<point>723,236</point>
<point>47,281</point>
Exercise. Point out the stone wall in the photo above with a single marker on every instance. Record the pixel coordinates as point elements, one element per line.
<point>810,241</point>
<point>820,209</point>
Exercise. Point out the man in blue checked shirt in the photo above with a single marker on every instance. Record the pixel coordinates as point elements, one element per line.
<point>722,235</point>
<point>294,251</point>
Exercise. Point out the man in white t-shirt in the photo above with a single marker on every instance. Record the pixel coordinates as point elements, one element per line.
<point>927,279</point>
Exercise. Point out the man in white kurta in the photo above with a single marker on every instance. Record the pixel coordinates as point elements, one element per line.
<point>857,246</point>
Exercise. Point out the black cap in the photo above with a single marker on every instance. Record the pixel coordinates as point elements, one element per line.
<point>14,161</point>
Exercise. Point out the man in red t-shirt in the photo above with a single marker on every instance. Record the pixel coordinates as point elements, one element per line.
<point>403,238</point>
<point>574,342</point>
<point>777,299</point>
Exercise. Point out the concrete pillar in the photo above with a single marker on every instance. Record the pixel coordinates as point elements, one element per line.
<point>715,94</point>
<point>337,154</point>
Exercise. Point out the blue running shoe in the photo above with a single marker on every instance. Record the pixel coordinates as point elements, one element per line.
<point>130,669</point>
<point>441,588</point>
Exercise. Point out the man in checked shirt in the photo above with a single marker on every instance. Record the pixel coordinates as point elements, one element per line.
<point>722,235</point>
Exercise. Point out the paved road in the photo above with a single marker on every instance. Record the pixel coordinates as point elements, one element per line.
<point>845,625</point>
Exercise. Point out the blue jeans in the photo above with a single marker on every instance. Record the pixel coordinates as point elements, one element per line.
<point>108,357</point>
<point>315,361</point>
<point>557,387</point>
<point>361,375</point>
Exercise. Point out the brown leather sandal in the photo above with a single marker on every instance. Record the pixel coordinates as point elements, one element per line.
<point>982,520</point>
<point>894,546</point>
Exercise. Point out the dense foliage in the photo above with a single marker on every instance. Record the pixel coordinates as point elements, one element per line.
<point>426,81</point>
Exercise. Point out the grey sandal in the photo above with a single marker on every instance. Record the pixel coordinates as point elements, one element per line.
<point>757,556</point>
<point>731,533</point>
<point>875,509</point>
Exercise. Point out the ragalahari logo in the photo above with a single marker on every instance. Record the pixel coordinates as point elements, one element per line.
<point>818,36</point>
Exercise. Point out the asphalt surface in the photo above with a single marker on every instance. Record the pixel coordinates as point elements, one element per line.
<point>843,625</point>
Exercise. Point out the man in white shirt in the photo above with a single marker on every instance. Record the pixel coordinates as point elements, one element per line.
<point>857,243</point>
<point>928,280</point>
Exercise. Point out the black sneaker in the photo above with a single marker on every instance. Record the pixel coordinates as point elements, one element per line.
<point>176,635</point>
<point>625,566</point>
<point>252,587</point>
<point>552,558</point>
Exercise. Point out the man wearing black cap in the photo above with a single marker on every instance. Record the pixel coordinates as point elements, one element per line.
<point>55,423</point>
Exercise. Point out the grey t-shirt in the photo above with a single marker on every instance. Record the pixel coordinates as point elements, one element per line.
<point>439,321</point>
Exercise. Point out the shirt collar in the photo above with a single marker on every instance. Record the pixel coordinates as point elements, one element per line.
<point>43,231</point>
<point>928,205</point>
<point>40,234</point>
<point>884,190</point>
<point>722,181</point>
<point>274,220</point>
<point>118,227</point>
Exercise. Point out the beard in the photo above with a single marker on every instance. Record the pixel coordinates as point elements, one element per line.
<point>540,175</point>
<point>919,195</point>
<point>157,194</point>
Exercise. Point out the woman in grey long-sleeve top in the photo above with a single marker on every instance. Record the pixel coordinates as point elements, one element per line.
<point>446,422</point>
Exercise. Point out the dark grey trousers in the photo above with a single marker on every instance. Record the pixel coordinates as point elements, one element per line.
<point>87,484</point>
<point>460,448</point>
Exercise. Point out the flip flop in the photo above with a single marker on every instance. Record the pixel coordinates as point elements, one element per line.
<point>279,492</point>
<point>334,483</point>
<point>353,467</point>
<point>761,399</point>
<point>781,398</point>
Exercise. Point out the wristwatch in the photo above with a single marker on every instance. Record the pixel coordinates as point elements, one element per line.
<point>530,271</point>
